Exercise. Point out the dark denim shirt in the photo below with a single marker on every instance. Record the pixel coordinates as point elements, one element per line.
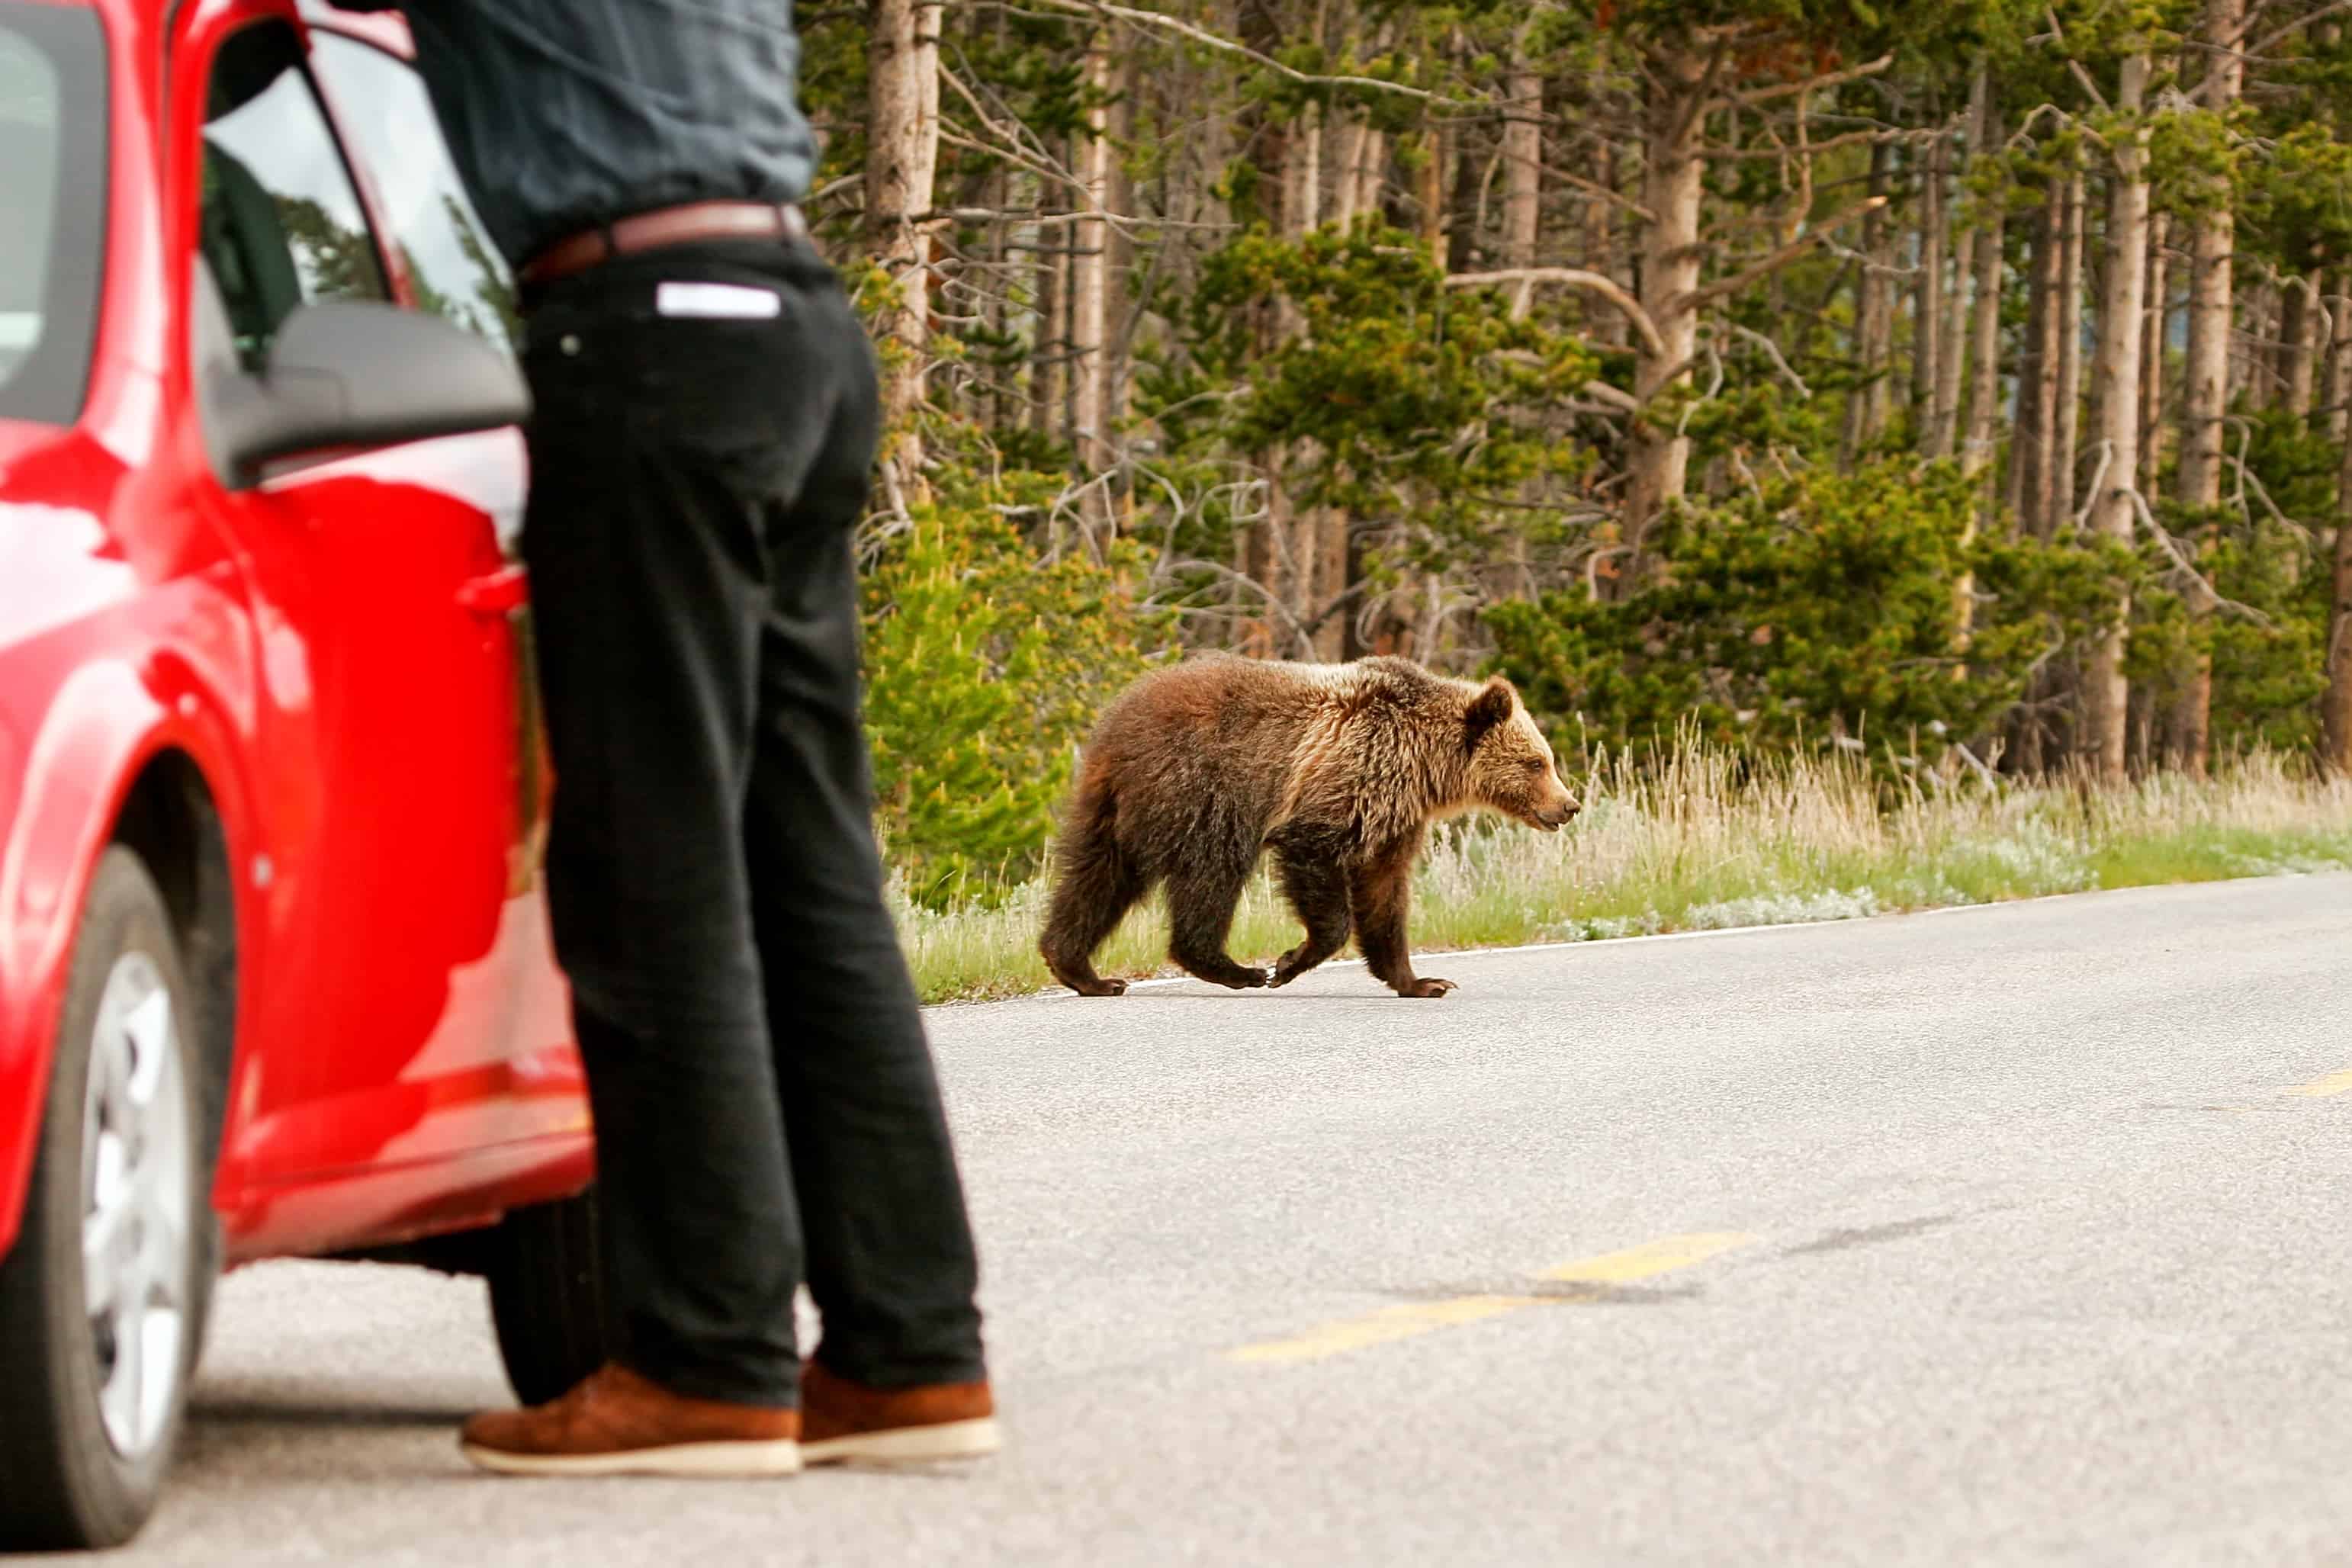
<point>564,115</point>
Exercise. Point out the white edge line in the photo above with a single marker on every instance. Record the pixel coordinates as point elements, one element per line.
<point>1054,993</point>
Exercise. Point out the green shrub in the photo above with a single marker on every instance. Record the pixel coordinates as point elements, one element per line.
<point>983,669</point>
<point>1818,606</point>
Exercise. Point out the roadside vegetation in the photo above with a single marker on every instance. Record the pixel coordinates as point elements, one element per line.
<point>1699,841</point>
<point>1937,418</point>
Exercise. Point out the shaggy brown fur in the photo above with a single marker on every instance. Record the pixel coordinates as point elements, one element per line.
<point>1339,769</point>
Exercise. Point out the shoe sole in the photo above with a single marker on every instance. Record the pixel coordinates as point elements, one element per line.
<point>735,1461</point>
<point>909,1445</point>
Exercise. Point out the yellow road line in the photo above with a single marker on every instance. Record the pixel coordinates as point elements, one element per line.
<point>1652,1257</point>
<point>1379,1328</point>
<point>1414,1317</point>
<point>2333,1083</point>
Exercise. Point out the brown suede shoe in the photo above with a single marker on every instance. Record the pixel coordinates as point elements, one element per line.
<point>617,1423</point>
<point>841,1420</point>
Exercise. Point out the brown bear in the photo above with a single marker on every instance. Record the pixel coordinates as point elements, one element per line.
<point>1339,769</point>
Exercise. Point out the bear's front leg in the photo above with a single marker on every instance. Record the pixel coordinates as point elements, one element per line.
<point>1379,896</point>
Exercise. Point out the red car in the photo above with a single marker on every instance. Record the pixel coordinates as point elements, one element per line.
<point>274,976</point>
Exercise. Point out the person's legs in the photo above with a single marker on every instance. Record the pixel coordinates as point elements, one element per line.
<point>657,448</point>
<point>890,1258</point>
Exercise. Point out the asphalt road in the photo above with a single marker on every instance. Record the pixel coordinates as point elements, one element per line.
<point>2004,1236</point>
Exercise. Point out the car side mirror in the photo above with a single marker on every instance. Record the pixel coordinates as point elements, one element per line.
<point>357,373</point>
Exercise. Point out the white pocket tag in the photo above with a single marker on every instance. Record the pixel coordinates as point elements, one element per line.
<point>721,301</point>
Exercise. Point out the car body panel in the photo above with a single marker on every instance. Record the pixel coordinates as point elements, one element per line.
<point>338,651</point>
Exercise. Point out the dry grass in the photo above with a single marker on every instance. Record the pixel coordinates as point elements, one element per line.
<point>1691,845</point>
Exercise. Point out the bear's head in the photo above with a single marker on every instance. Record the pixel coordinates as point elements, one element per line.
<point>1511,766</point>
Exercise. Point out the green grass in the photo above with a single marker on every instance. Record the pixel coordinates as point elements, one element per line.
<point>1691,846</point>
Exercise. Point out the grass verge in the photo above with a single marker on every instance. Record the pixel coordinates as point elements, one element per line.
<point>1694,846</point>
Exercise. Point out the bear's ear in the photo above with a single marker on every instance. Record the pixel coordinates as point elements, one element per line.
<point>1491,707</point>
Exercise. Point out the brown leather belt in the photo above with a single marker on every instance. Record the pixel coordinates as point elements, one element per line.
<point>665,226</point>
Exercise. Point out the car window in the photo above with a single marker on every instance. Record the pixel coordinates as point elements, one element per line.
<point>282,223</point>
<point>435,229</point>
<point>52,207</point>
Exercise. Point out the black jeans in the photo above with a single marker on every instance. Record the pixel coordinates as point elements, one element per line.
<point>765,1103</point>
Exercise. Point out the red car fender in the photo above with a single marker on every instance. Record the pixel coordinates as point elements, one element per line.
<point>106,722</point>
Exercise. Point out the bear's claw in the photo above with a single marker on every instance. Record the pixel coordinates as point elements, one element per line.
<point>1428,986</point>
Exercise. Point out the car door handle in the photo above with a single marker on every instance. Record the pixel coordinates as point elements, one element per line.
<point>500,592</point>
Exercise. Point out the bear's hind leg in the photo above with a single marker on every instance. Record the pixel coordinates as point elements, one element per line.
<point>1317,890</point>
<point>1095,885</point>
<point>1201,900</point>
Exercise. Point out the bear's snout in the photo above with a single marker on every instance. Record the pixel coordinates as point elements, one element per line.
<point>1552,819</point>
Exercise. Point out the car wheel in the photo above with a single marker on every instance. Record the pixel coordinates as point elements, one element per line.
<point>547,1297</point>
<point>102,1298</point>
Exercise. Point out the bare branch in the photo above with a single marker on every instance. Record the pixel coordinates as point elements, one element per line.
<point>2072,64</point>
<point>2099,478</point>
<point>2186,567</point>
<point>1606,288</point>
<point>1701,100</point>
<point>1850,139</point>
<point>1774,262</point>
<point>1202,36</point>
<point>1755,96</point>
<point>1616,398</point>
<point>1595,187</point>
<point>2273,39</point>
<point>1773,349</point>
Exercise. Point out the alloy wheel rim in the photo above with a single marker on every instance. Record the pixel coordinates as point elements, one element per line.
<point>137,1177</point>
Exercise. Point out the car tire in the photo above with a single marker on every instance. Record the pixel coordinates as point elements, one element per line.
<point>97,1351</point>
<point>547,1297</point>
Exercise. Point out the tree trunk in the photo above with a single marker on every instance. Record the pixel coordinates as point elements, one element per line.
<point>2297,356</point>
<point>2205,386</point>
<point>1984,393</point>
<point>1346,182</point>
<point>1429,190</point>
<point>1603,323</point>
<point>1118,266</point>
<point>1296,547</point>
<point>1462,230</point>
<point>1874,312</point>
<point>1522,166</point>
<point>2066,455</point>
<point>1045,353</point>
<point>2340,356</point>
<point>902,156</point>
<point>2336,703</point>
<point>2039,431</point>
<point>1091,271</point>
<point>2261,367</point>
<point>1928,340</point>
<point>2152,335</point>
<point>2106,697</point>
<point>1944,417</point>
<point>2205,378</point>
<point>1356,194</point>
<point>1673,189</point>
